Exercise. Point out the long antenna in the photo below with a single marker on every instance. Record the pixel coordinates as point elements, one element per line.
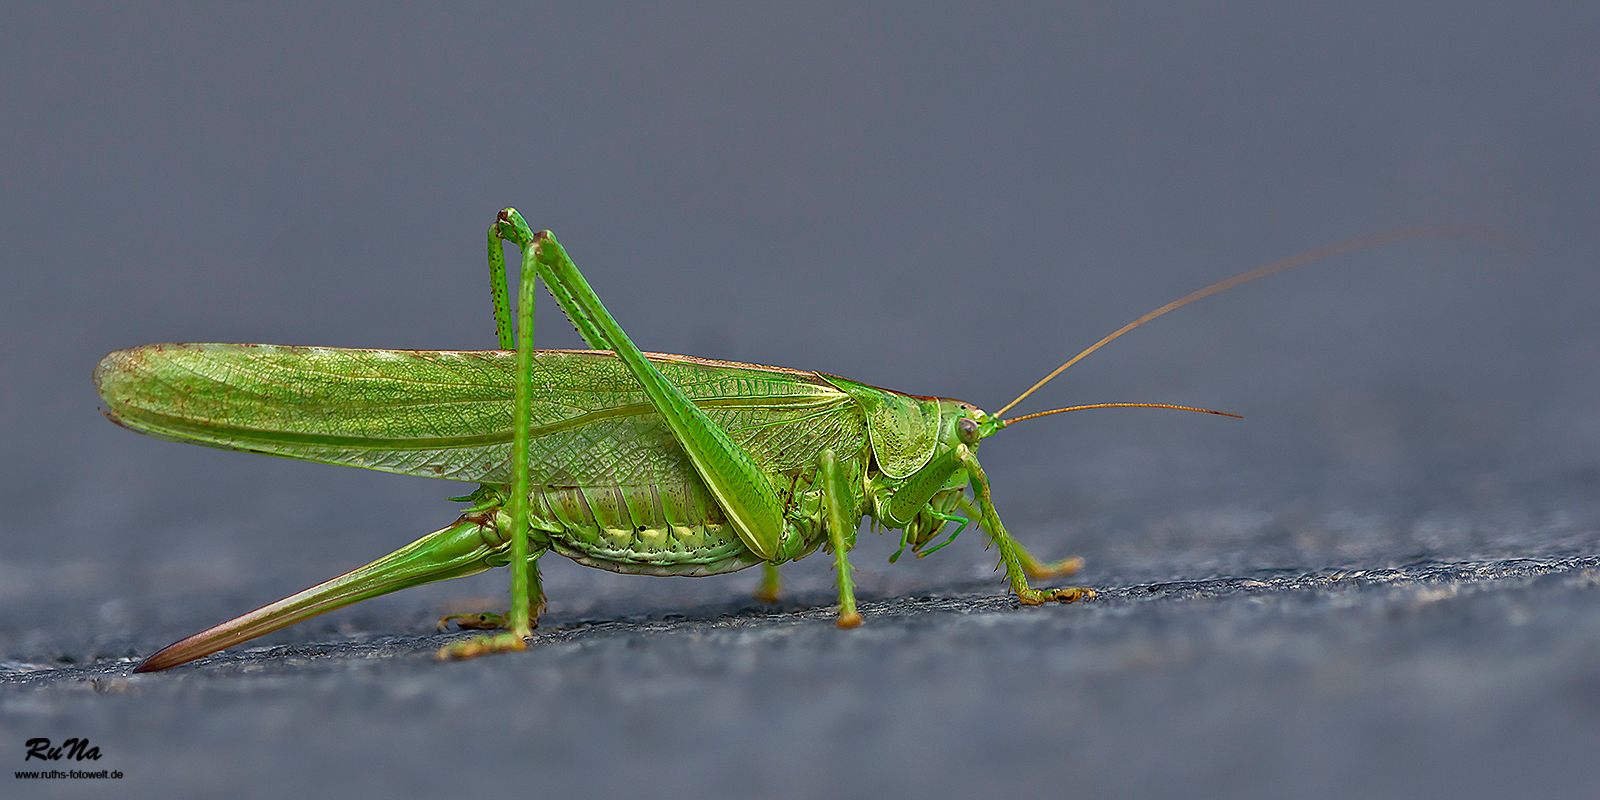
<point>1373,240</point>
<point>1119,405</point>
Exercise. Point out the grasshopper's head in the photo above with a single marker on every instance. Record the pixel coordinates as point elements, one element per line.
<point>964,423</point>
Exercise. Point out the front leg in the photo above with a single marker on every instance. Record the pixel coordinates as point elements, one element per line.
<point>1031,565</point>
<point>1013,557</point>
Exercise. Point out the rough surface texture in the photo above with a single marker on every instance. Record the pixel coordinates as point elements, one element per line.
<point>1465,678</point>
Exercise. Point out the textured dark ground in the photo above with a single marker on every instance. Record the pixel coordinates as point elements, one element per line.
<point>1466,678</point>
<point>1382,582</point>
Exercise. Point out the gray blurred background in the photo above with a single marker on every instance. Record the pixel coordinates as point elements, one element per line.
<point>942,199</point>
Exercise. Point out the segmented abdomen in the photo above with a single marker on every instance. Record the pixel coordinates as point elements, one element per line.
<point>672,528</point>
<point>675,527</point>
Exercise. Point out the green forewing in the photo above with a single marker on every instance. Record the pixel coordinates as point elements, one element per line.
<point>904,428</point>
<point>447,414</point>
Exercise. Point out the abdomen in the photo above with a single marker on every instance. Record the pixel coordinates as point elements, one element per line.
<point>674,527</point>
<point>670,528</point>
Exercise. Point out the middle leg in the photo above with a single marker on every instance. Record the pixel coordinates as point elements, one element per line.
<point>836,498</point>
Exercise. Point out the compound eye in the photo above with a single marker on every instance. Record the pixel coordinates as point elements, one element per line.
<point>967,430</point>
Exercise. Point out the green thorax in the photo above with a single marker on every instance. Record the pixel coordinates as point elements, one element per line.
<point>914,441</point>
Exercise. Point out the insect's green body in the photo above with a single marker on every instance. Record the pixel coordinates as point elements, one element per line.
<point>610,487</point>
<point>647,464</point>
